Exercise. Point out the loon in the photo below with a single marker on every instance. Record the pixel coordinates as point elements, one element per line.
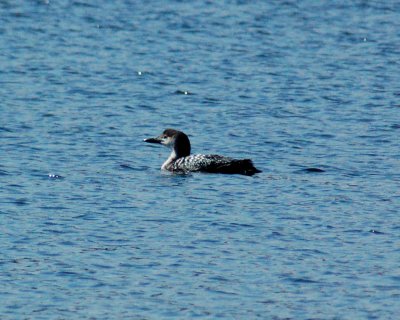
<point>181,161</point>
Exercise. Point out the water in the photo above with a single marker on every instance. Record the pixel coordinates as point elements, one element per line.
<point>90,227</point>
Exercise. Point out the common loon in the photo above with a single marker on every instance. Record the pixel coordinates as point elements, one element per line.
<point>180,159</point>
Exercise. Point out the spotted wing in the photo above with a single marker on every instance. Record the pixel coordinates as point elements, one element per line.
<point>214,164</point>
<point>200,162</point>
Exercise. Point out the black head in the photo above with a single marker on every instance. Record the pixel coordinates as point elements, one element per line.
<point>174,139</point>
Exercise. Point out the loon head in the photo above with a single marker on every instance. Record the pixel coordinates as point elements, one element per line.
<point>174,139</point>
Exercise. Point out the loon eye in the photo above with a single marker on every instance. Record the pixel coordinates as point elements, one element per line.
<point>164,137</point>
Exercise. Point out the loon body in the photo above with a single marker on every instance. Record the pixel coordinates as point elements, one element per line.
<point>180,159</point>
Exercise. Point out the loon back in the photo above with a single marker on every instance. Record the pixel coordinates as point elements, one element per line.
<point>213,163</point>
<point>180,159</point>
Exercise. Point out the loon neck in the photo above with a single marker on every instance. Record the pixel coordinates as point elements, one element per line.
<point>171,159</point>
<point>175,154</point>
<point>181,146</point>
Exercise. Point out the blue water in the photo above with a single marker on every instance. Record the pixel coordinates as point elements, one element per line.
<point>90,227</point>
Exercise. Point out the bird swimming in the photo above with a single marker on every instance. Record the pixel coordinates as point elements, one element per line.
<point>181,161</point>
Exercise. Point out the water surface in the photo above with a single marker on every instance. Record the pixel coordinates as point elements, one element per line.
<point>90,227</point>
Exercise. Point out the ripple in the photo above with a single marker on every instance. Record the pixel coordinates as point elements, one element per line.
<point>184,92</point>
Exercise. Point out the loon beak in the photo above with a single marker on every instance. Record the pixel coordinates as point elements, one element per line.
<point>153,140</point>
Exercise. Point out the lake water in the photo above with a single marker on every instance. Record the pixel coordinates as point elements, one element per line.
<point>92,229</point>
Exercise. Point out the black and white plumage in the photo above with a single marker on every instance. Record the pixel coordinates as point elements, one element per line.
<point>180,159</point>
